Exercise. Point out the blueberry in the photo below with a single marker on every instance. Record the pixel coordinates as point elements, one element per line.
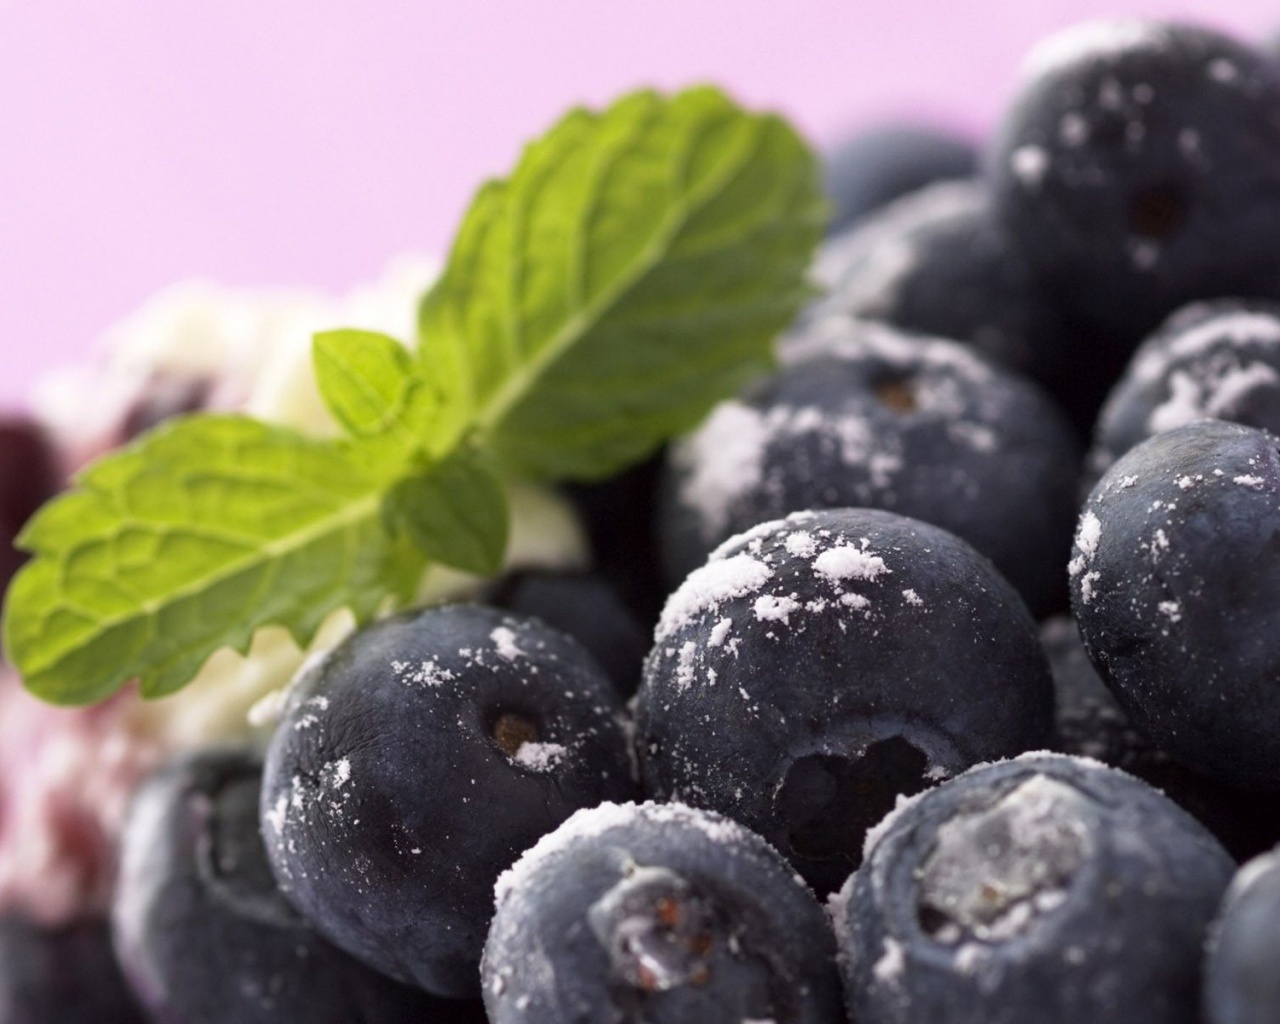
<point>416,762</point>
<point>877,165</point>
<point>661,914</point>
<point>588,608</point>
<point>619,516</point>
<point>204,933</point>
<point>1138,169</point>
<point>934,262</point>
<point>63,975</point>
<point>1241,984</point>
<point>816,667</point>
<point>1210,360</point>
<point>864,415</point>
<point>28,477</point>
<point>1090,722</point>
<point>1047,889</point>
<point>1176,587</point>
<point>163,397</point>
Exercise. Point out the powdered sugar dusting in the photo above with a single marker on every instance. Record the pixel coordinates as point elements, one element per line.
<point>847,562</point>
<point>800,544</point>
<point>685,668</point>
<point>724,458</point>
<point>504,640</point>
<point>1088,536</point>
<point>775,609</point>
<point>540,757</point>
<point>424,673</point>
<point>706,588</point>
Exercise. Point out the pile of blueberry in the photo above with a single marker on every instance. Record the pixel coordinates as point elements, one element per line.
<point>963,697</point>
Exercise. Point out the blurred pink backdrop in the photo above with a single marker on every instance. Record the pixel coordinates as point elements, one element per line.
<point>280,143</point>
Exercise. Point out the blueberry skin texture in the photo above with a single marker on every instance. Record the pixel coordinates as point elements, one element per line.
<point>728,932</point>
<point>1241,985</point>
<point>587,607</point>
<point>1210,360</point>
<point>68,975</point>
<point>395,794</point>
<point>863,415</point>
<point>205,935</point>
<point>876,166</point>
<point>1089,722</point>
<point>1138,169</point>
<point>801,702</point>
<point>1176,586</point>
<point>1127,885</point>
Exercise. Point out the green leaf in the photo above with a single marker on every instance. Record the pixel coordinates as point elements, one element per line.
<point>456,513</point>
<point>633,270</point>
<point>368,383</point>
<point>189,540</point>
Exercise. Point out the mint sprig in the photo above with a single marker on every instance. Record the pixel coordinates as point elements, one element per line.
<point>632,271</point>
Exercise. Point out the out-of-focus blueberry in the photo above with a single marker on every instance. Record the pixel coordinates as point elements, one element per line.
<point>1241,983</point>
<point>66,975</point>
<point>202,930</point>
<point>1138,169</point>
<point>1211,360</point>
<point>587,607</point>
<point>934,262</point>
<point>877,165</point>
<point>28,477</point>
<point>863,415</point>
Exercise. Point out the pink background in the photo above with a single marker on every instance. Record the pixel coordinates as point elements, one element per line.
<point>276,142</point>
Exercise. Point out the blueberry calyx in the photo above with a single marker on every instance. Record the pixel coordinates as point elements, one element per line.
<point>657,931</point>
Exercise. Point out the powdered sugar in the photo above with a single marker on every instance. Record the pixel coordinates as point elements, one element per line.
<point>705,589</point>
<point>724,459</point>
<point>504,639</point>
<point>1088,536</point>
<point>424,673</point>
<point>540,757</point>
<point>769,608</point>
<point>719,631</point>
<point>847,562</point>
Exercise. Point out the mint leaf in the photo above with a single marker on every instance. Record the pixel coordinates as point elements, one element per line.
<point>365,380</point>
<point>186,542</point>
<point>634,270</point>
<point>456,513</point>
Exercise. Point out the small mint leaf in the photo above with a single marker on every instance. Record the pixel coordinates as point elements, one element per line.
<point>187,541</point>
<point>633,270</point>
<point>456,513</point>
<point>368,382</point>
